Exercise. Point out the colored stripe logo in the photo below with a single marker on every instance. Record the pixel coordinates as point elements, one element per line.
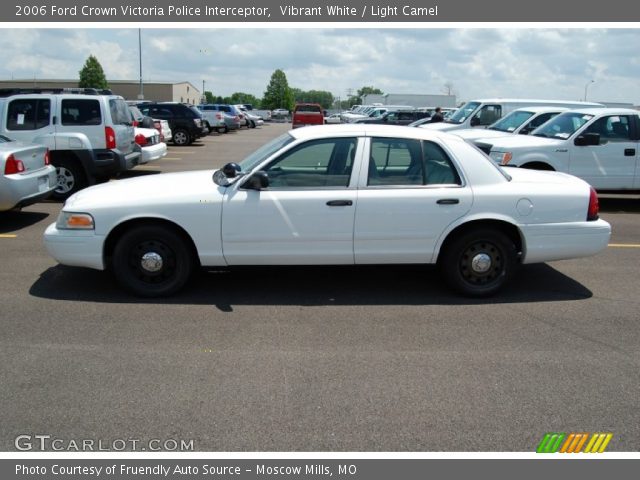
<point>555,442</point>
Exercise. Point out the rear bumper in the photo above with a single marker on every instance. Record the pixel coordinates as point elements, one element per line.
<point>153,152</point>
<point>110,162</point>
<point>560,241</point>
<point>19,190</point>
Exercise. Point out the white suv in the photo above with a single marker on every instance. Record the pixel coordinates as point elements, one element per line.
<point>89,133</point>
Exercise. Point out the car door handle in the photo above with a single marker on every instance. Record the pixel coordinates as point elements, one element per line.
<point>340,203</point>
<point>629,152</point>
<point>448,201</point>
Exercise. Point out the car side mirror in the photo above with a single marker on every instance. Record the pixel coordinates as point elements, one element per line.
<point>257,181</point>
<point>474,122</point>
<point>230,170</point>
<point>587,139</point>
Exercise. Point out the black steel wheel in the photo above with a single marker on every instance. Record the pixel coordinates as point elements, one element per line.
<point>152,261</point>
<point>479,262</point>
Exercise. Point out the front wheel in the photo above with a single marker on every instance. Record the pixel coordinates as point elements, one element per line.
<point>152,261</point>
<point>181,138</point>
<point>479,262</point>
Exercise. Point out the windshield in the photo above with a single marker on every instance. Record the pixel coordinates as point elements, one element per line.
<point>265,152</point>
<point>463,112</point>
<point>511,122</point>
<point>562,126</point>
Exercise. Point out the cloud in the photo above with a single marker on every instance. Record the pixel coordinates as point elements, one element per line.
<point>479,62</point>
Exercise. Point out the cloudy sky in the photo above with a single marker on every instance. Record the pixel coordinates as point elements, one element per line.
<point>480,62</point>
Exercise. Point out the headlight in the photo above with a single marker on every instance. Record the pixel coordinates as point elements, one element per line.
<point>74,221</point>
<point>502,158</point>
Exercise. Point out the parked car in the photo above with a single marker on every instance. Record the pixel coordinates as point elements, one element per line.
<point>306,114</point>
<point>397,117</point>
<point>334,194</point>
<point>333,119</point>
<point>152,147</point>
<point>599,145</point>
<point>279,113</point>
<point>185,120</point>
<point>253,121</point>
<point>27,174</point>
<point>237,121</point>
<point>89,133</point>
<point>482,113</point>
<point>521,121</point>
<point>162,126</point>
<point>213,117</point>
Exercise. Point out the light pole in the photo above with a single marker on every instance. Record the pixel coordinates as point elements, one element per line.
<point>586,87</point>
<point>141,94</point>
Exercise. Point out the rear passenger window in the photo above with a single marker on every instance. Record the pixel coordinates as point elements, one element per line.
<point>28,114</point>
<point>406,162</point>
<point>81,112</point>
<point>120,113</point>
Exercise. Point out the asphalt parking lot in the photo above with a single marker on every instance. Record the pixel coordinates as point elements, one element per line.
<point>321,359</point>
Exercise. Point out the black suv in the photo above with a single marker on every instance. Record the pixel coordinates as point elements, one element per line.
<point>184,120</point>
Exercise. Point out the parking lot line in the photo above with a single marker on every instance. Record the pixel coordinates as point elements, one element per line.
<point>7,235</point>
<point>624,245</point>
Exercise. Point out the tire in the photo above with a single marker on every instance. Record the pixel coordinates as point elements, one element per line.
<point>479,262</point>
<point>224,129</point>
<point>251,124</point>
<point>70,178</point>
<point>167,267</point>
<point>208,127</point>
<point>181,138</point>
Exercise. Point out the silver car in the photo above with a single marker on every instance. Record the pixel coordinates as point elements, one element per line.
<point>27,176</point>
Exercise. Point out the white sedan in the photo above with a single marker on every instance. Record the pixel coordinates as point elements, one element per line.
<point>338,195</point>
<point>152,147</point>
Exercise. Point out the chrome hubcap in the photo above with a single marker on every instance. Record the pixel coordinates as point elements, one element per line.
<point>481,263</point>
<point>151,262</point>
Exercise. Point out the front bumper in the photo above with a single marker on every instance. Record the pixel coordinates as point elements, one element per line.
<point>76,248</point>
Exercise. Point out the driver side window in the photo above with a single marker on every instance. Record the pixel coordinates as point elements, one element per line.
<point>314,164</point>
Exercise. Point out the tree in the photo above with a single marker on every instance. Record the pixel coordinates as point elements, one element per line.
<point>448,88</point>
<point>357,99</point>
<point>92,75</point>
<point>209,98</point>
<point>322,97</point>
<point>240,98</point>
<point>278,93</point>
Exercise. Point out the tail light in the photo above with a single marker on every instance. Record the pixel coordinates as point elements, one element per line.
<point>135,123</point>
<point>12,165</point>
<point>158,126</point>
<point>110,137</point>
<point>141,140</point>
<point>47,159</point>
<point>594,207</point>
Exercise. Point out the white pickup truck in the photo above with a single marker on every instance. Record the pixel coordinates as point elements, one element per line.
<point>599,145</point>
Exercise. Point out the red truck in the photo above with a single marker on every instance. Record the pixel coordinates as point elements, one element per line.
<point>307,114</point>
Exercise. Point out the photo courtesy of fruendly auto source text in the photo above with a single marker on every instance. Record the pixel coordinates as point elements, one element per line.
<point>304,239</point>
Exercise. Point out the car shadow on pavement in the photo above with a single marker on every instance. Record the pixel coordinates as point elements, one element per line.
<point>619,204</point>
<point>311,286</point>
<point>13,220</point>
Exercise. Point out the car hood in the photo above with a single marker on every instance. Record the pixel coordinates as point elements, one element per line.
<point>522,141</point>
<point>480,133</point>
<point>148,191</point>
<point>442,126</point>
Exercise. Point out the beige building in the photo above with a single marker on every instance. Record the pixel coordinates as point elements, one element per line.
<point>130,90</point>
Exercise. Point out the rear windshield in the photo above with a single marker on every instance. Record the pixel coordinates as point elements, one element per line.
<point>308,109</point>
<point>120,113</point>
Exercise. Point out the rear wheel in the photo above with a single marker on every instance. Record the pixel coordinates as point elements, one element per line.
<point>479,262</point>
<point>224,129</point>
<point>181,138</point>
<point>70,178</point>
<point>152,261</point>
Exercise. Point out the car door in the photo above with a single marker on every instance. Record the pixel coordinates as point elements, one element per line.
<point>611,165</point>
<point>408,195</point>
<point>304,216</point>
<point>28,118</point>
